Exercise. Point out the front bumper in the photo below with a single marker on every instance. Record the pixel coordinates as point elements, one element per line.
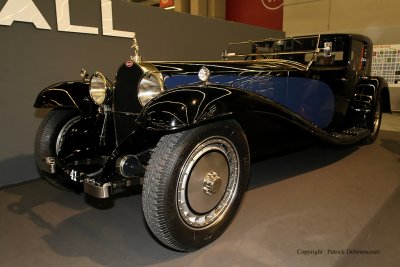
<point>93,188</point>
<point>127,172</point>
<point>106,190</point>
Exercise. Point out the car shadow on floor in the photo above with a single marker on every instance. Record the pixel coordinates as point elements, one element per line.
<point>118,236</point>
<point>295,163</point>
<point>115,236</point>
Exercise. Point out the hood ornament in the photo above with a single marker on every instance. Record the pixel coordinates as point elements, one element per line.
<point>135,57</point>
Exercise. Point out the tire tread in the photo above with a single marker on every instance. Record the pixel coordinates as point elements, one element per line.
<point>153,202</point>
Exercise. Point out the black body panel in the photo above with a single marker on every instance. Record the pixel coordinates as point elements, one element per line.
<point>274,93</point>
<point>66,95</point>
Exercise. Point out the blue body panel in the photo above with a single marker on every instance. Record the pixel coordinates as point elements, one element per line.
<point>311,99</point>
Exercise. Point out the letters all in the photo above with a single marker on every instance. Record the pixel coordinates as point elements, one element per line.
<point>27,11</point>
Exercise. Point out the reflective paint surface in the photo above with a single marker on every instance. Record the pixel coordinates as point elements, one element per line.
<point>309,98</point>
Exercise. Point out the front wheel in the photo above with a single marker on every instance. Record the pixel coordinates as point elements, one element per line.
<point>49,139</point>
<point>194,183</point>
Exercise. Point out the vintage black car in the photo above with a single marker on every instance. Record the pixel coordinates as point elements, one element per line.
<point>186,130</point>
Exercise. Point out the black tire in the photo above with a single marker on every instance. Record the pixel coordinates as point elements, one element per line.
<point>48,140</point>
<point>185,199</point>
<point>374,121</point>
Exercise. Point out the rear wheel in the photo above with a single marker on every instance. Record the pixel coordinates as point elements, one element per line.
<point>374,121</point>
<point>194,184</point>
<point>49,139</point>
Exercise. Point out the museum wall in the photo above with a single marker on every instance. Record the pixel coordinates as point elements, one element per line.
<point>32,58</point>
<point>379,20</point>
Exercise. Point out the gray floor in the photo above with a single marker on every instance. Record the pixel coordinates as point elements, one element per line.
<point>317,200</point>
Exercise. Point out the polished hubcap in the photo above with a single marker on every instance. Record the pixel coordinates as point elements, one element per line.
<point>208,182</point>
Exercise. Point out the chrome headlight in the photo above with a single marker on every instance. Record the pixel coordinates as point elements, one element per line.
<point>150,86</point>
<point>99,88</point>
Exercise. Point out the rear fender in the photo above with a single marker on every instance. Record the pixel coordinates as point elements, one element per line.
<point>383,91</point>
<point>368,91</point>
<point>66,95</point>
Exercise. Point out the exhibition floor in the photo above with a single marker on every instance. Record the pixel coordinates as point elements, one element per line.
<point>314,207</point>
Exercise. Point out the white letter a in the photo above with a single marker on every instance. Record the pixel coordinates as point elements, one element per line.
<point>24,11</point>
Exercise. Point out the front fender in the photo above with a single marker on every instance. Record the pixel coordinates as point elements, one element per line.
<point>183,107</point>
<point>74,94</point>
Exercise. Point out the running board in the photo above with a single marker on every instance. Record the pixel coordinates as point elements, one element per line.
<point>345,137</point>
<point>351,135</point>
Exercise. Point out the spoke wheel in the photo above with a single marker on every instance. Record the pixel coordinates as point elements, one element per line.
<point>63,131</point>
<point>194,184</point>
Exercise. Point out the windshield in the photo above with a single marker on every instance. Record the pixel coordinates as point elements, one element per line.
<point>320,49</point>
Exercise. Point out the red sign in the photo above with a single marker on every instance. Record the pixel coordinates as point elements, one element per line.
<point>264,13</point>
<point>166,3</point>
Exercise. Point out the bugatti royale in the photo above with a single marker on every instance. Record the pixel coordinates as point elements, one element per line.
<point>186,131</point>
